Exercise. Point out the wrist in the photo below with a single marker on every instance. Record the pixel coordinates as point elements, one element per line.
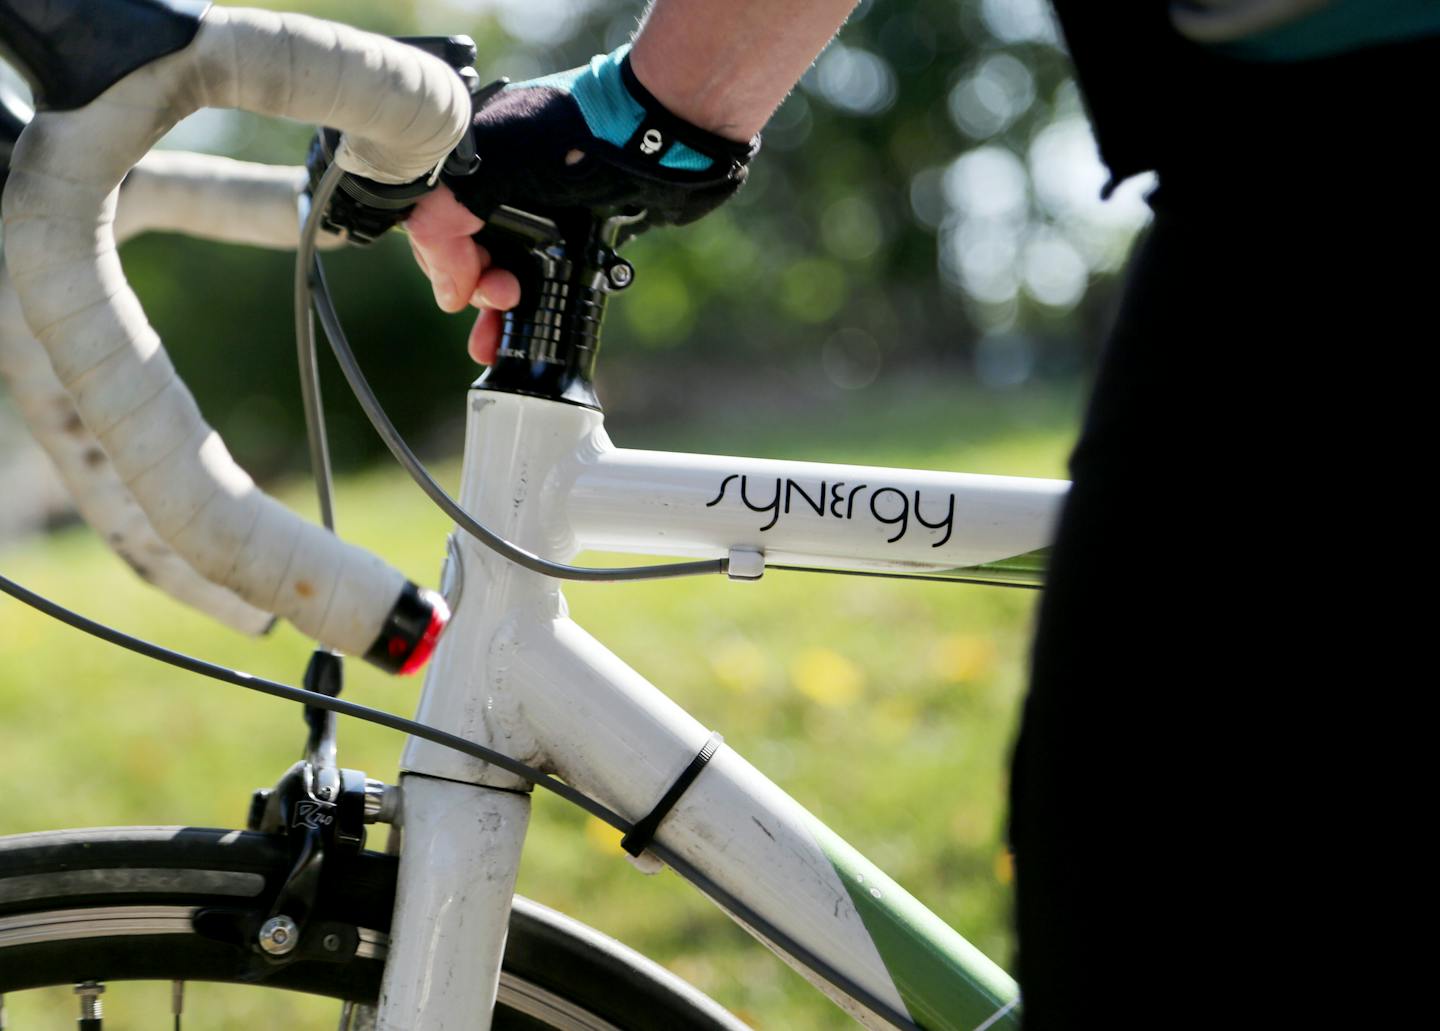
<point>691,94</point>
<point>672,140</point>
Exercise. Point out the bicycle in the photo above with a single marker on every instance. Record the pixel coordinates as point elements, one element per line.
<point>519,688</point>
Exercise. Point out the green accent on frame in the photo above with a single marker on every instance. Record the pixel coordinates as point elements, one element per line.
<point>947,984</point>
<point>1028,568</point>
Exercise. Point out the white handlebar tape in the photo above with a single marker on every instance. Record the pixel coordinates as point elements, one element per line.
<point>102,500</point>
<point>201,195</point>
<point>401,111</point>
<point>213,198</point>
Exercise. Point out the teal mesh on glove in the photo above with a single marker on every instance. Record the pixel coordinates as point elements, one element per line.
<point>611,112</point>
<point>636,155</point>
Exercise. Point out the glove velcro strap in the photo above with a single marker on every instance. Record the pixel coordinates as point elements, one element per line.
<point>659,131</point>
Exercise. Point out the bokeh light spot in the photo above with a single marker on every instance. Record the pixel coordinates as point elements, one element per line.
<point>812,289</point>
<point>856,81</point>
<point>851,359</point>
<point>850,228</point>
<point>989,100</point>
<point>1053,272</point>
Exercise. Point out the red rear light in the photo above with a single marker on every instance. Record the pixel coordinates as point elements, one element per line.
<point>439,616</point>
<point>411,631</point>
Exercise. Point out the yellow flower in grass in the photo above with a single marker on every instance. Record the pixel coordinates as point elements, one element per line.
<point>602,837</point>
<point>1004,866</point>
<point>739,665</point>
<point>894,718</point>
<point>962,658</point>
<point>826,677</point>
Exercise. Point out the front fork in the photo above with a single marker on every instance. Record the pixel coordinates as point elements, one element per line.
<point>458,864</point>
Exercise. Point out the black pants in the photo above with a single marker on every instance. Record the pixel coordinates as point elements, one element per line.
<point>1222,750</point>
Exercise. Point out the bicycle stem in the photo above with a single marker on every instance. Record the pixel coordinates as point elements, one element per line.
<point>567,266</point>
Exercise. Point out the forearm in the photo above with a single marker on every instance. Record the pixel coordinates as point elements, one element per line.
<point>725,65</point>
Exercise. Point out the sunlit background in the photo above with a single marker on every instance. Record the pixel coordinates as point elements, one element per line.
<point>927,202</point>
<point>917,273</point>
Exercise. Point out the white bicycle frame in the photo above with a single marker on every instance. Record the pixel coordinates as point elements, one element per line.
<point>513,672</point>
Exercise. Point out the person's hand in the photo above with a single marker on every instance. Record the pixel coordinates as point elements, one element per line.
<point>460,271</point>
<point>591,139</point>
<point>595,139</point>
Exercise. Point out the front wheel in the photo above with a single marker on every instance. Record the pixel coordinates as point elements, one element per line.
<point>120,904</point>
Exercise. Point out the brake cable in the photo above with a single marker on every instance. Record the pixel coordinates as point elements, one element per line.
<point>311,290</point>
<point>737,908</point>
<point>320,469</point>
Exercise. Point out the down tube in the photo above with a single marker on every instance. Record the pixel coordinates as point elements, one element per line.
<point>611,733</point>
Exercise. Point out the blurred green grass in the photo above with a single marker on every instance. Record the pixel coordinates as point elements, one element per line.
<point>886,707</point>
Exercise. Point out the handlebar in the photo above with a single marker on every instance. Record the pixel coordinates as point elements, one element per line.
<point>401,111</point>
<point>201,195</point>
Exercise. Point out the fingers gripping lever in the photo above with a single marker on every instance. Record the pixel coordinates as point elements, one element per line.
<point>570,166</point>
<point>362,209</point>
<point>567,266</point>
<point>402,110</point>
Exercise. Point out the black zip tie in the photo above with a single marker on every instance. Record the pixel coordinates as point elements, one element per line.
<point>638,838</point>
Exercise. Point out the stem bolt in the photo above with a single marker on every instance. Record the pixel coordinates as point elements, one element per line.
<point>621,274</point>
<point>331,942</point>
<point>279,936</point>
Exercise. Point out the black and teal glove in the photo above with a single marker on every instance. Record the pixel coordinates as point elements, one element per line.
<point>635,155</point>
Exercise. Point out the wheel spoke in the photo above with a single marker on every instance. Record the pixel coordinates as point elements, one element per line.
<point>177,1002</point>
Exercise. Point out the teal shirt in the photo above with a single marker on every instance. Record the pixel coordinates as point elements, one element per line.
<point>1338,28</point>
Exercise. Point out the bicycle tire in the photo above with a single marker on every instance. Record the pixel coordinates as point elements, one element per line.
<point>116,904</point>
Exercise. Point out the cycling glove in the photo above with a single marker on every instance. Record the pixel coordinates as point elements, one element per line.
<point>594,138</point>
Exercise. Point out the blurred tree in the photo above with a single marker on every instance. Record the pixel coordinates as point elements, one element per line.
<point>926,200</point>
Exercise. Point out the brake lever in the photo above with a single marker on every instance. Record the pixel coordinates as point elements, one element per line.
<point>361,209</point>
